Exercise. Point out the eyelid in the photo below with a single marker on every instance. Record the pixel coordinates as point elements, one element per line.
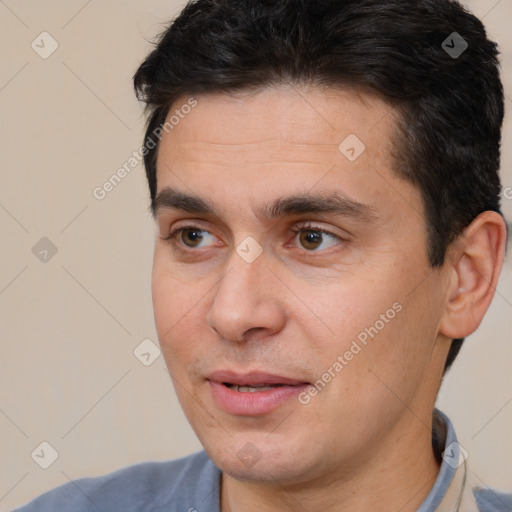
<point>176,231</point>
<point>180,224</point>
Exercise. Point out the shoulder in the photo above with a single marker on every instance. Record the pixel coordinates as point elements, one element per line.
<point>149,486</point>
<point>491,500</point>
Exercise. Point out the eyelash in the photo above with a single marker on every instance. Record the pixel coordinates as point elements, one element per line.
<point>296,230</point>
<point>173,234</point>
<point>311,227</point>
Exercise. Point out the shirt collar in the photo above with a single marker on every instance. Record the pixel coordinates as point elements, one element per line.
<point>451,491</point>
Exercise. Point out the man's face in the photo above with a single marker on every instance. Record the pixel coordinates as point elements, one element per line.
<point>259,288</point>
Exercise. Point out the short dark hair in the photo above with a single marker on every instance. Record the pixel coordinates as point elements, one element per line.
<point>413,54</point>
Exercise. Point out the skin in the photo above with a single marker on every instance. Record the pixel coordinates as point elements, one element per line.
<point>364,441</point>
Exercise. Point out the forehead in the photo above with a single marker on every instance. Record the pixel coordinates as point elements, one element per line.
<point>279,124</point>
<point>281,140</point>
<point>282,115</point>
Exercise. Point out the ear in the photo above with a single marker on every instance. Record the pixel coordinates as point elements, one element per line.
<point>476,260</point>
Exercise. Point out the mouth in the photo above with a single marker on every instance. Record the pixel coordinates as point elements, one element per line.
<point>254,393</point>
<point>251,389</point>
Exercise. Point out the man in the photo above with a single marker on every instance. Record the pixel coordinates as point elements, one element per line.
<point>324,178</point>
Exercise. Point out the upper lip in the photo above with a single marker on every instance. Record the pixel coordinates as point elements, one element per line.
<point>251,378</point>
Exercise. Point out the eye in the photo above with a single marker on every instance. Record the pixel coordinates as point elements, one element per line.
<point>192,236</point>
<point>313,238</point>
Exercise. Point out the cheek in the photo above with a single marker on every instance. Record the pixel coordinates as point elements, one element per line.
<point>388,353</point>
<point>165,304</point>
<point>376,321</point>
<point>175,304</point>
<point>349,308</point>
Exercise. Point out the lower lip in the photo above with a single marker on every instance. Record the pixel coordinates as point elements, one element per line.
<point>253,404</point>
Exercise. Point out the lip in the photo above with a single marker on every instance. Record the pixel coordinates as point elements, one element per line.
<point>253,403</point>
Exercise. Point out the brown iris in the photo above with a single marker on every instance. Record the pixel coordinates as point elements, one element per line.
<point>191,235</point>
<point>310,239</point>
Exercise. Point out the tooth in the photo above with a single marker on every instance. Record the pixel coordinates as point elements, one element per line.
<point>253,389</point>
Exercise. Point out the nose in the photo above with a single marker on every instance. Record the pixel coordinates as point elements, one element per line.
<point>246,302</point>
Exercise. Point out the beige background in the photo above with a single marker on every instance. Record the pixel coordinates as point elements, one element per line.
<point>68,375</point>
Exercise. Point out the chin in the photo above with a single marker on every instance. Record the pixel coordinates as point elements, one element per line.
<point>254,458</point>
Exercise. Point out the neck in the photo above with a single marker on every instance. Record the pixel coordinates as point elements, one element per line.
<point>399,476</point>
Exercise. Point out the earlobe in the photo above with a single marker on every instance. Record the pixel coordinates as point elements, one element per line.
<point>478,257</point>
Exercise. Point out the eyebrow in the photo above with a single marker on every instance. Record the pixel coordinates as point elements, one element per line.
<point>333,203</point>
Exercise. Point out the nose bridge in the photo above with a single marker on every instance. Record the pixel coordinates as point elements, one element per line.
<point>244,299</point>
